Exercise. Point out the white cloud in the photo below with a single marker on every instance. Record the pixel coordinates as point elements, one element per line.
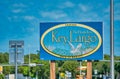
<point>84,8</point>
<point>33,21</point>
<point>67,4</point>
<point>53,14</point>
<point>19,5</point>
<point>14,18</point>
<point>17,10</point>
<point>29,17</point>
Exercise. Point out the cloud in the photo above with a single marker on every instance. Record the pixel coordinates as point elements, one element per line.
<point>53,14</point>
<point>67,4</point>
<point>29,17</point>
<point>17,11</point>
<point>14,18</point>
<point>19,5</point>
<point>33,23</point>
<point>84,8</point>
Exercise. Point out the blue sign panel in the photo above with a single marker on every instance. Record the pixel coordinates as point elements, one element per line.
<point>66,41</point>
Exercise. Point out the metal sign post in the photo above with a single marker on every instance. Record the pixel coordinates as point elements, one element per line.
<point>16,61</point>
<point>112,37</point>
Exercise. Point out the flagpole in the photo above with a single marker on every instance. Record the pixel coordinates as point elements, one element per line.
<point>112,37</point>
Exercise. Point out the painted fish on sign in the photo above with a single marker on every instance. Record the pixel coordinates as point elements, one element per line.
<point>70,40</point>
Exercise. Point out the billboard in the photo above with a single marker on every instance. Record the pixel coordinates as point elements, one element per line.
<point>68,40</point>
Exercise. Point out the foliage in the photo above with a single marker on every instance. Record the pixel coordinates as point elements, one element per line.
<point>117,67</point>
<point>24,70</point>
<point>61,66</point>
<point>102,67</point>
<point>4,57</point>
<point>44,70</point>
<point>1,76</point>
<point>70,66</point>
<point>6,70</point>
<point>107,57</point>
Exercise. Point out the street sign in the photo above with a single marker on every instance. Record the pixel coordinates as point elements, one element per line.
<point>16,47</point>
<point>16,53</point>
<point>66,41</point>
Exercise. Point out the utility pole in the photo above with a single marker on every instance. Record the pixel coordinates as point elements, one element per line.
<point>112,37</point>
<point>16,61</point>
<point>29,60</point>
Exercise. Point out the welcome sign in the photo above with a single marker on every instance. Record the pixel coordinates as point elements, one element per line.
<point>66,40</point>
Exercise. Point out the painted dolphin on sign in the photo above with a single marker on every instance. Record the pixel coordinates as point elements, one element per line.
<point>73,49</point>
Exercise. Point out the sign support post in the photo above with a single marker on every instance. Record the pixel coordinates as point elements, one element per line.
<point>89,69</point>
<point>52,69</point>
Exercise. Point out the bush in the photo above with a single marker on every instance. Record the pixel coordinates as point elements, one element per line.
<point>1,76</point>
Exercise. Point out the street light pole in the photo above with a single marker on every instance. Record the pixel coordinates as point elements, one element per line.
<point>112,37</point>
<point>29,60</point>
<point>16,61</point>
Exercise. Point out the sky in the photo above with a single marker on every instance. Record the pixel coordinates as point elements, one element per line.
<point>20,19</point>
